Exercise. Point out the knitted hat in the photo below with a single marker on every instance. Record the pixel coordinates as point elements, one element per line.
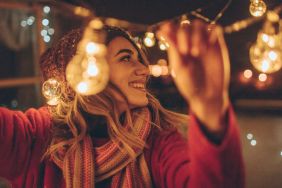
<point>54,61</point>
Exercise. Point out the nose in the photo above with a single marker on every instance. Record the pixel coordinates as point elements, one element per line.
<point>142,70</point>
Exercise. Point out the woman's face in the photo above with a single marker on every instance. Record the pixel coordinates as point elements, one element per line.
<point>127,73</point>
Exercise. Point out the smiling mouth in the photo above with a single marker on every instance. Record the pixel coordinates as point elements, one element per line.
<point>138,86</point>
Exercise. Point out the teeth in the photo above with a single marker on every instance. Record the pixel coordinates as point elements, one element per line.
<point>137,85</point>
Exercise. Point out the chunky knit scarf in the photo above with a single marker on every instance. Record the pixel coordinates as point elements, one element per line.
<point>89,165</point>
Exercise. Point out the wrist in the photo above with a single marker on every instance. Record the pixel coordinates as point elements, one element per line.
<point>211,114</point>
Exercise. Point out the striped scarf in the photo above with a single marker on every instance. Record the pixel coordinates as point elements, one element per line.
<point>87,166</point>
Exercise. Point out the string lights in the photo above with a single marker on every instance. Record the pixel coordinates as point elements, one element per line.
<point>47,31</point>
<point>159,69</point>
<point>248,73</point>
<point>251,138</point>
<point>266,53</point>
<point>28,21</point>
<point>149,39</point>
<point>88,71</point>
<point>257,8</point>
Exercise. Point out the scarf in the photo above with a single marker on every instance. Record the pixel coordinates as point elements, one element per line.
<point>88,165</point>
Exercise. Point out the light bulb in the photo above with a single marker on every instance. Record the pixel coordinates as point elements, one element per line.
<point>257,8</point>
<point>88,71</point>
<point>250,136</point>
<point>262,77</point>
<point>248,73</point>
<point>149,39</point>
<point>87,76</point>
<point>51,90</point>
<point>266,59</point>
<point>253,142</point>
<point>45,22</point>
<point>266,53</point>
<point>156,70</point>
<point>46,9</point>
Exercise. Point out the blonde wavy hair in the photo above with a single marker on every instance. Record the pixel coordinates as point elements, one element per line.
<point>74,114</point>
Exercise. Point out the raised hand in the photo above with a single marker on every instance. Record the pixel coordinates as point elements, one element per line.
<point>199,57</point>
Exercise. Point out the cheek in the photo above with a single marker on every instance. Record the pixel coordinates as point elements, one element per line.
<point>121,82</point>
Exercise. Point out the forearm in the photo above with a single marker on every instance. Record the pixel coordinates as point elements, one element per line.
<point>217,165</point>
<point>22,138</point>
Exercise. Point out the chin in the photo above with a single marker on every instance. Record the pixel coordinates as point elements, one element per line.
<point>139,103</point>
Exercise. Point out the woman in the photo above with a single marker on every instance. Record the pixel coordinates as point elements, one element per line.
<point>123,137</point>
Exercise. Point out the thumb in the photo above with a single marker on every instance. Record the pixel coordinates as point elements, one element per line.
<point>167,31</point>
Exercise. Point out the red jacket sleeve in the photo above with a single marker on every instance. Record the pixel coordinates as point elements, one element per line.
<point>23,137</point>
<point>198,163</point>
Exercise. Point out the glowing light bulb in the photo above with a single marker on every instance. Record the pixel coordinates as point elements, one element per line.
<point>253,142</point>
<point>30,20</point>
<point>149,39</point>
<point>156,70</point>
<point>51,90</point>
<point>45,22</point>
<point>266,53</point>
<point>257,8</point>
<point>248,73</point>
<point>46,9</point>
<point>94,75</point>
<point>88,71</point>
<point>46,38</point>
<point>262,77</point>
<point>250,136</point>
<point>23,23</point>
<point>51,31</point>
<point>266,60</point>
<point>43,33</point>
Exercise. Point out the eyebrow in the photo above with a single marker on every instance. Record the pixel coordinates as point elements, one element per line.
<point>124,51</point>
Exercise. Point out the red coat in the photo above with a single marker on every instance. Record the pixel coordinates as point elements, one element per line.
<point>173,162</point>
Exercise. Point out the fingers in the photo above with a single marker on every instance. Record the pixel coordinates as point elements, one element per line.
<point>167,31</point>
<point>189,39</point>
<point>183,38</point>
<point>199,36</point>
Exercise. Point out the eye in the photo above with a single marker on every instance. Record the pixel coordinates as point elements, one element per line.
<point>125,58</point>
